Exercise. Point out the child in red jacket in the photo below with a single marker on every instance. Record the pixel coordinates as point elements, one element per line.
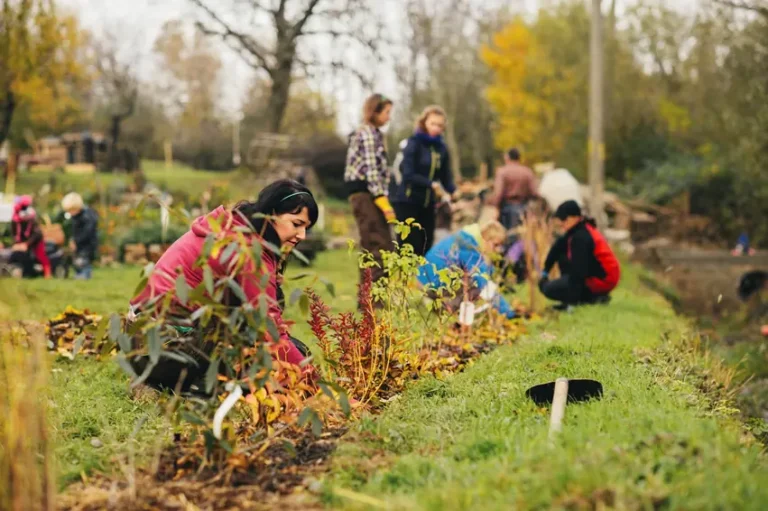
<point>27,235</point>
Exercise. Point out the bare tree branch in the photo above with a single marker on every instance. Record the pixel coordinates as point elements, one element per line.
<point>120,81</point>
<point>762,10</point>
<point>226,32</point>
<point>292,39</point>
<point>257,6</point>
<point>298,27</point>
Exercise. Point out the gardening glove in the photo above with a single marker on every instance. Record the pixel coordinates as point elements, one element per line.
<point>383,204</point>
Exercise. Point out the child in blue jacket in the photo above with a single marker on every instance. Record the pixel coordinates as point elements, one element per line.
<point>468,250</point>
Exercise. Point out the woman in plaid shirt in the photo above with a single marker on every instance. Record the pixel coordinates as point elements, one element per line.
<point>367,179</point>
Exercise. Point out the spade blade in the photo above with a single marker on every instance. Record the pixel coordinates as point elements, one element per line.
<point>578,391</point>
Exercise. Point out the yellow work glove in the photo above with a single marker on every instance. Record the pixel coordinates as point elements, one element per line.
<point>383,204</point>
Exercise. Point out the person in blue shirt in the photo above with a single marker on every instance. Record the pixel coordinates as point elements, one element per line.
<point>468,250</point>
<point>426,174</point>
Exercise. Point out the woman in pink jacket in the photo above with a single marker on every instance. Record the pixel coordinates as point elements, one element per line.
<point>280,216</point>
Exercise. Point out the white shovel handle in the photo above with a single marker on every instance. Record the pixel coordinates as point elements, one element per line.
<point>224,408</point>
<point>559,400</point>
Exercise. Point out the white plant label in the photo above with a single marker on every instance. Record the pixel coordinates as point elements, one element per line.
<point>489,291</point>
<point>467,313</point>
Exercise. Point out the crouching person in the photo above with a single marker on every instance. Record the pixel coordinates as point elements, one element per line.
<point>469,251</point>
<point>28,238</point>
<point>283,212</point>
<point>85,235</point>
<point>588,267</point>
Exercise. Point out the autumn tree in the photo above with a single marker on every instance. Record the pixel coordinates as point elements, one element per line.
<point>528,92</point>
<point>540,87</point>
<point>191,89</point>
<point>309,112</point>
<point>440,65</point>
<point>42,69</point>
<point>118,84</point>
<point>283,39</point>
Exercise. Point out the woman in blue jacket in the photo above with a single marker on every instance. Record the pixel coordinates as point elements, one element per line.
<point>425,167</point>
<point>468,250</point>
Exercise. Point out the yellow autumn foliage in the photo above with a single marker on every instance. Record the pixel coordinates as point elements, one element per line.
<point>44,66</point>
<point>527,92</point>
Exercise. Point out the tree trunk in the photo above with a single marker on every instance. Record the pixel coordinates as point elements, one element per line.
<point>611,55</point>
<point>278,97</point>
<point>6,115</point>
<point>445,97</point>
<point>113,162</point>
<point>453,148</point>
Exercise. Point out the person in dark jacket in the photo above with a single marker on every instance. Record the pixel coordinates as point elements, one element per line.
<point>589,269</point>
<point>366,177</point>
<point>426,173</point>
<point>27,235</point>
<point>85,234</point>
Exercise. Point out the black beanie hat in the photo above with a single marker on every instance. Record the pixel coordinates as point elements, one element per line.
<point>568,208</point>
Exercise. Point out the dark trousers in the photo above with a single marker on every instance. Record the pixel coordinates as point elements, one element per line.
<point>420,239</point>
<point>511,214</point>
<point>557,290</point>
<point>374,230</point>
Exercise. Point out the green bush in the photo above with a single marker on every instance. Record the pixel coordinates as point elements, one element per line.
<point>150,232</point>
<point>735,198</point>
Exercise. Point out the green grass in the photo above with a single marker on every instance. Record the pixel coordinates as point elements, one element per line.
<point>474,441</point>
<point>108,291</point>
<point>193,182</point>
<point>88,398</point>
<point>178,178</point>
<point>91,399</point>
<point>31,182</point>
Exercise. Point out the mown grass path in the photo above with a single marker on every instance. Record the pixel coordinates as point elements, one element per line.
<point>475,442</point>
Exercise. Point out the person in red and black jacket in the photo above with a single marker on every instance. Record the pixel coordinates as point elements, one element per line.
<point>27,235</point>
<point>589,269</point>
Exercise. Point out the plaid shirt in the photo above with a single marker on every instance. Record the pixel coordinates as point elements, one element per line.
<point>367,160</point>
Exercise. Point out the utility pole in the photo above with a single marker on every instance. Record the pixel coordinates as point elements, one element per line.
<point>236,143</point>
<point>596,145</point>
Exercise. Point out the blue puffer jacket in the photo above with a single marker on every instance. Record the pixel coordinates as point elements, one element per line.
<point>462,251</point>
<point>425,160</point>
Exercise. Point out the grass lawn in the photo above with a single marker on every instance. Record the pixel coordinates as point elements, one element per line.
<point>474,441</point>
<point>91,399</point>
<point>178,178</point>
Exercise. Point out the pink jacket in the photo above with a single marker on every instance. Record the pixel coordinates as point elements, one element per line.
<point>183,254</point>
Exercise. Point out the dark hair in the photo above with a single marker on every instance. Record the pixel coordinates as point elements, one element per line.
<point>567,209</point>
<point>282,196</point>
<point>514,154</point>
<point>374,105</point>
